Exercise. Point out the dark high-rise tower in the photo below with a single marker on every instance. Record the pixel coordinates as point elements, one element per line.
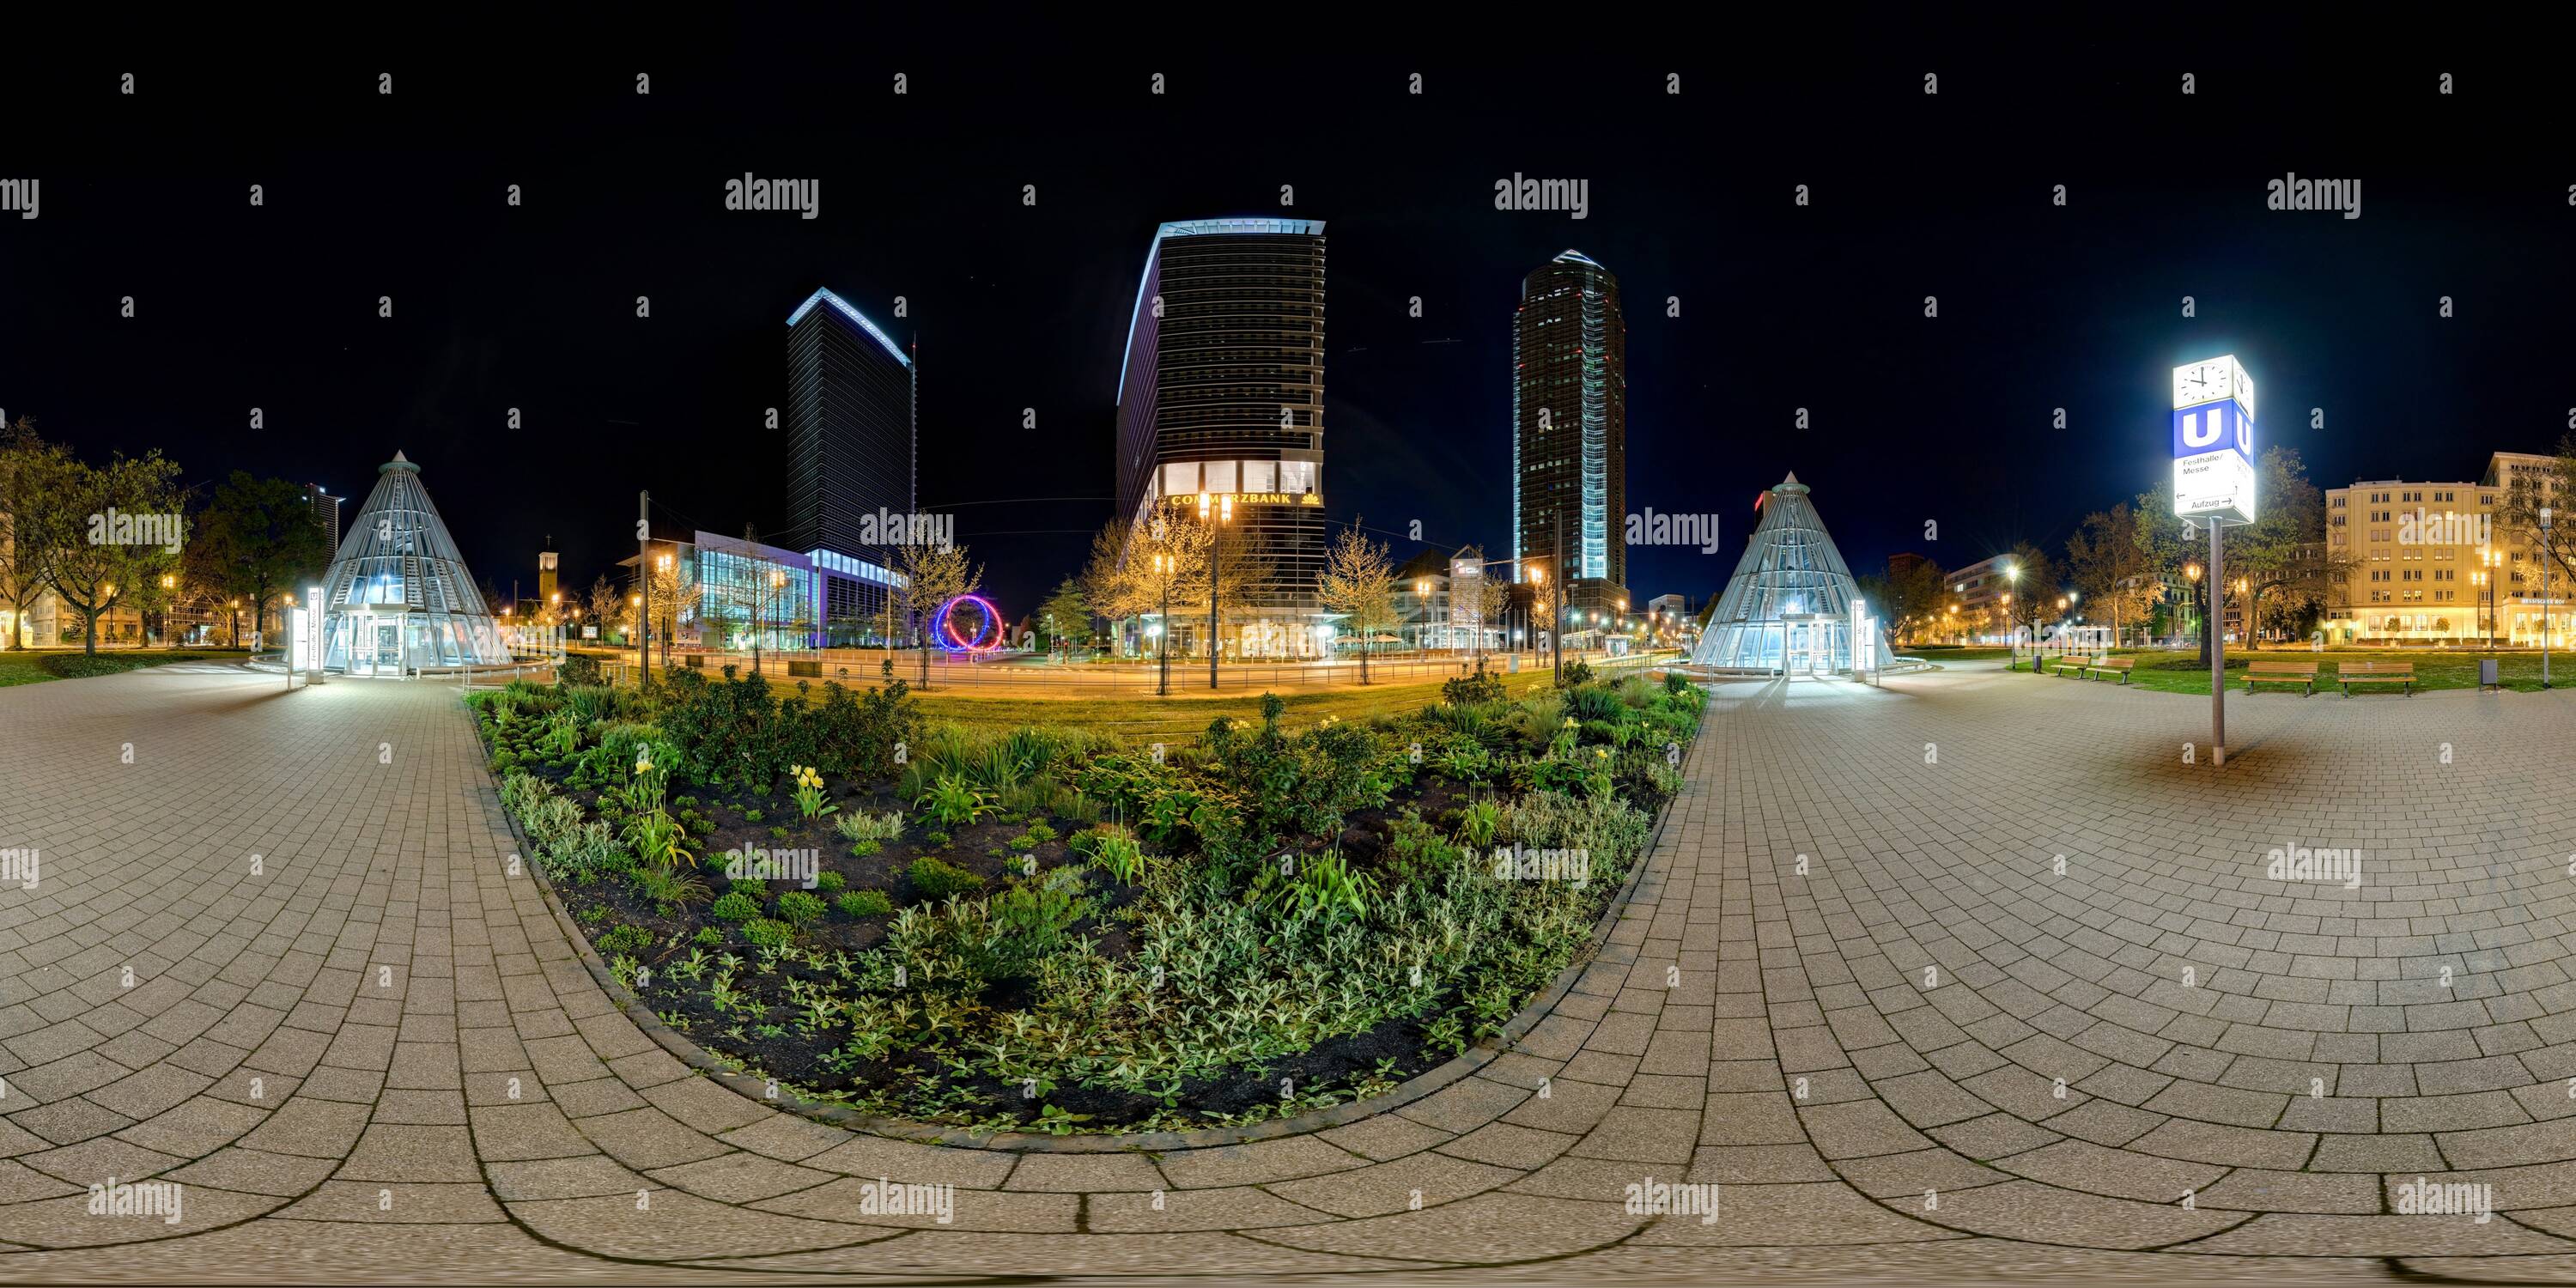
<point>1222,392</point>
<point>1570,432</point>
<point>326,513</point>
<point>850,440</point>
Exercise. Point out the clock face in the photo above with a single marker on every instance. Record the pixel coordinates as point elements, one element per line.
<point>2213,380</point>
<point>2200,382</point>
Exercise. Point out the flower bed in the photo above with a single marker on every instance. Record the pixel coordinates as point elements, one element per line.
<point>1039,931</point>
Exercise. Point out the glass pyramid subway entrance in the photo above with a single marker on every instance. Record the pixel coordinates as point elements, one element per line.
<point>398,598</point>
<point>1788,608</point>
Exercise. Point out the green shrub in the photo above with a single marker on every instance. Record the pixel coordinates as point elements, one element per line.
<point>1472,690</point>
<point>850,735</point>
<point>1034,915</point>
<point>866,903</point>
<point>765,933</point>
<point>1325,887</point>
<point>586,852</point>
<point>1479,822</point>
<point>708,937</point>
<point>830,882</point>
<point>1577,674</point>
<point>669,889</point>
<point>800,909</point>
<point>728,729</point>
<point>860,825</point>
<point>1593,702</point>
<point>1119,855</point>
<point>1676,683</point>
<point>577,668</point>
<point>74,666</point>
<point>550,819</point>
<point>934,878</point>
<point>954,801</point>
<point>628,940</point>
<point>862,849</point>
<point>519,791</point>
<point>735,906</point>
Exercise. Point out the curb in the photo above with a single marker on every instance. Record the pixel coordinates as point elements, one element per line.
<point>775,1096</point>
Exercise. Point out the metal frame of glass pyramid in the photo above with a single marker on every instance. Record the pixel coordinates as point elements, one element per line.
<point>398,598</point>
<point>1790,599</point>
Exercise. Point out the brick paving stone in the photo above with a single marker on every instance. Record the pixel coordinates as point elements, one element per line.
<point>1803,1066</point>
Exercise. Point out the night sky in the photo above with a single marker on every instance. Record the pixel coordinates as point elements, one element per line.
<point>1014,307</point>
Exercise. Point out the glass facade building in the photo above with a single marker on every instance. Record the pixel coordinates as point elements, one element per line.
<point>1222,392</point>
<point>398,597</point>
<point>852,449</point>
<point>851,442</point>
<point>733,593</point>
<point>1789,607</point>
<point>1570,431</point>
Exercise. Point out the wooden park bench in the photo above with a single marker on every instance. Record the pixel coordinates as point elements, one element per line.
<point>2068,664</point>
<point>2399,673</point>
<point>2303,674</point>
<point>2119,666</point>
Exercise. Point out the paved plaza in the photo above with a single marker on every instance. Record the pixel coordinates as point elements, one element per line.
<point>1853,990</point>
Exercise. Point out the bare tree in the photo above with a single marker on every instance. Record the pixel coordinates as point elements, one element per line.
<point>2033,596</point>
<point>1359,582</point>
<point>933,574</point>
<point>2108,565</point>
<point>603,604</point>
<point>2554,486</point>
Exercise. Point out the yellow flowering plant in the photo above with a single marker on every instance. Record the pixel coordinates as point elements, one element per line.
<point>809,792</point>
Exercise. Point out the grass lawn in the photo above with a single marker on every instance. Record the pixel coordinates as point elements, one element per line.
<point>1139,720</point>
<point>2434,669</point>
<point>26,666</point>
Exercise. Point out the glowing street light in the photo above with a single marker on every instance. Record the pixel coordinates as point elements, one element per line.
<point>1220,511</point>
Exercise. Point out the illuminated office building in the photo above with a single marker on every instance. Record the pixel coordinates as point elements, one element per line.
<point>1570,433</point>
<point>1222,392</point>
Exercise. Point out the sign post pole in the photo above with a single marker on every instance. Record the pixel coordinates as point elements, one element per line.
<point>2214,482</point>
<point>2217,646</point>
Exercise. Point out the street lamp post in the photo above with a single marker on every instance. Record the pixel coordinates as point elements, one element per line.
<point>2012,577</point>
<point>2544,596</point>
<point>1529,615</point>
<point>1556,617</point>
<point>2192,570</point>
<point>777,578</point>
<point>1223,512</point>
<point>2477,594</point>
<point>2493,559</point>
<point>1163,574</point>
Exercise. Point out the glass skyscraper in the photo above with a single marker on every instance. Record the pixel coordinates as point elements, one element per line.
<point>851,452</point>
<point>1570,432</point>
<point>1222,392</point>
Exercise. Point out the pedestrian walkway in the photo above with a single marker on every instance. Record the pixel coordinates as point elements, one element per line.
<point>275,953</point>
